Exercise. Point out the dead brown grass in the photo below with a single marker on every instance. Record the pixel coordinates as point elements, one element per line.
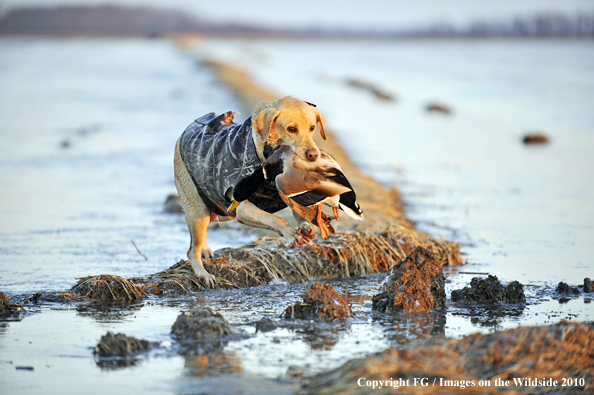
<point>6,307</point>
<point>267,259</point>
<point>564,350</point>
<point>107,287</point>
<point>416,285</point>
<point>320,301</point>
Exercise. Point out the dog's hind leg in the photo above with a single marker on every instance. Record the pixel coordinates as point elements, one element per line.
<point>198,217</point>
<point>249,214</point>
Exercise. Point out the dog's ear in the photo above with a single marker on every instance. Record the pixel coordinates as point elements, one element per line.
<point>322,123</point>
<point>265,121</point>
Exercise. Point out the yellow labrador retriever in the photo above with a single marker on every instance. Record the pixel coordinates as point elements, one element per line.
<point>213,154</point>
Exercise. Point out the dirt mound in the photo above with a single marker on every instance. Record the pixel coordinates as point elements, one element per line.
<point>119,345</point>
<point>371,88</point>
<point>564,289</point>
<point>320,301</point>
<point>439,108</point>
<point>107,287</point>
<point>588,285</point>
<point>535,138</point>
<point>489,291</point>
<point>7,308</point>
<point>200,323</point>
<point>173,204</point>
<point>266,325</point>
<point>557,352</point>
<point>416,285</point>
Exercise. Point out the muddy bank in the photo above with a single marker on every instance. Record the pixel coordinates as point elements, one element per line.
<point>321,301</point>
<point>200,323</point>
<point>558,352</point>
<point>7,308</point>
<point>489,291</point>
<point>119,345</point>
<point>416,285</point>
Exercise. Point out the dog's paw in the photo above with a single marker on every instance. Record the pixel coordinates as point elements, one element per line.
<point>209,280</point>
<point>299,239</point>
<point>206,253</point>
<point>307,231</point>
<point>200,272</point>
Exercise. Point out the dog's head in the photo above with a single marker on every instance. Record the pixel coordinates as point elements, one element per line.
<point>289,121</point>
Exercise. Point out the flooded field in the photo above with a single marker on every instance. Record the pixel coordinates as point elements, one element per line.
<point>87,130</point>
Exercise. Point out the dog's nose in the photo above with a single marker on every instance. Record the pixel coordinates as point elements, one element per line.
<point>311,154</point>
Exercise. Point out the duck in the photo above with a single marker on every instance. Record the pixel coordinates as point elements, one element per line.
<point>304,186</point>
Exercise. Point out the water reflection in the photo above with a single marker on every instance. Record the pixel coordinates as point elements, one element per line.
<point>219,362</point>
<point>109,311</point>
<point>489,316</point>
<point>116,363</point>
<point>321,338</point>
<point>404,327</point>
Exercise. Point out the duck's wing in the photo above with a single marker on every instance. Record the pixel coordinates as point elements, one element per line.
<point>311,214</point>
<point>348,200</point>
<point>306,212</point>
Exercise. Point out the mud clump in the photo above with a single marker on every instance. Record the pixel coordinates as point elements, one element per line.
<point>535,138</point>
<point>416,285</point>
<point>565,289</point>
<point>173,204</point>
<point>372,88</point>
<point>266,325</point>
<point>200,323</point>
<point>555,352</point>
<point>107,287</point>
<point>320,301</point>
<point>120,345</point>
<point>489,291</point>
<point>588,285</point>
<point>7,308</point>
<point>439,108</point>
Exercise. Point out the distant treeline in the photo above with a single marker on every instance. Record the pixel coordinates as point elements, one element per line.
<point>111,21</point>
<point>541,25</point>
<point>114,20</point>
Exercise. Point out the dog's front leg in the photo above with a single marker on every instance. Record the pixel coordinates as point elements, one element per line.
<point>249,214</point>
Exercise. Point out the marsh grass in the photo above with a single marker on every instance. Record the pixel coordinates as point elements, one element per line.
<point>268,259</point>
<point>107,287</point>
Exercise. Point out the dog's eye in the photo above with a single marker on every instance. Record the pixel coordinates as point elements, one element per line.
<point>312,128</point>
<point>292,129</point>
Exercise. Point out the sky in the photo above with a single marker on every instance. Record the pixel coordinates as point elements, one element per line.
<point>366,14</point>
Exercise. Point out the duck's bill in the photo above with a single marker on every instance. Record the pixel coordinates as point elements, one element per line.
<point>233,206</point>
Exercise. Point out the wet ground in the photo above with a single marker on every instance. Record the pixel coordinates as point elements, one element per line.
<point>86,163</point>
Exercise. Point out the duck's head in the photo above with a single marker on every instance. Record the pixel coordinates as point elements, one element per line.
<point>290,121</point>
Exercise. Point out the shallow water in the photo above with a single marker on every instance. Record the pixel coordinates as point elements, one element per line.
<point>87,136</point>
<point>86,142</point>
